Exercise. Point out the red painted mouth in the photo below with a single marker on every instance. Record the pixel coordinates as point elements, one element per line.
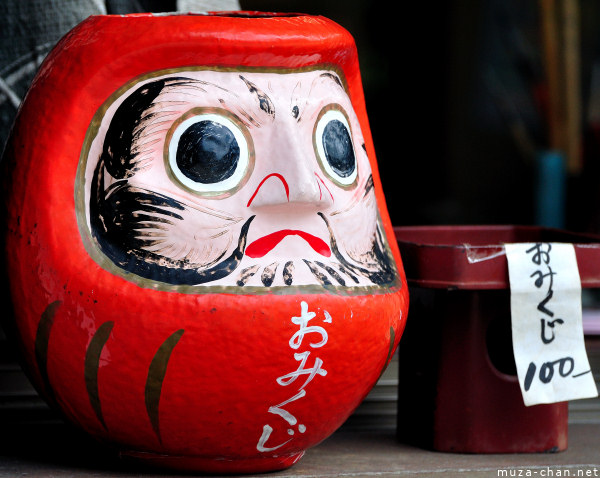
<point>265,244</point>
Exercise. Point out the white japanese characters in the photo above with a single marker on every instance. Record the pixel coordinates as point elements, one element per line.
<point>308,338</point>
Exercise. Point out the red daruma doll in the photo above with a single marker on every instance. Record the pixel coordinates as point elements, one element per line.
<point>202,267</point>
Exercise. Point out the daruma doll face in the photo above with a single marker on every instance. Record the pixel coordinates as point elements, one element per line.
<point>196,237</point>
<point>234,181</point>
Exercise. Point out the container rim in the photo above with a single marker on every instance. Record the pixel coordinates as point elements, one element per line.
<point>473,256</point>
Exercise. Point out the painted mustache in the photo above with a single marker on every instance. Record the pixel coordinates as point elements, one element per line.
<point>265,244</point>
<point>116,230</point>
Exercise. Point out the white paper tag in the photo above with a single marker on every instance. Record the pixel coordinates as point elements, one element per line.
<point>547,334</point>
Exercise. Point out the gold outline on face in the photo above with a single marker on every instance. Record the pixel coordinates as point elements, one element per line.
<point>324,110</point>
<point>197,111</point>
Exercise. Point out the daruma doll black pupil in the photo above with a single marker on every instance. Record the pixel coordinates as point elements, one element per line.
<point>338,148</point>
<point>207,152</point>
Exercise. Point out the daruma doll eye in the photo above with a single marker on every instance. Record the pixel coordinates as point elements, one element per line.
<point>208,153</point>
<point>335,150</point>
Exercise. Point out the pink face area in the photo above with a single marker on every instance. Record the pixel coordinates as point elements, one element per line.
<point>238,179</point>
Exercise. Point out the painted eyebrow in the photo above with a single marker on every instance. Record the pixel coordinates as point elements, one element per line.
<point>264,102</point>
<point>333,77</point>
<point>296,109</point>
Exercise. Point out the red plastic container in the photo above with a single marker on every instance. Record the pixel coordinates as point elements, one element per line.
<point>457,371</point>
